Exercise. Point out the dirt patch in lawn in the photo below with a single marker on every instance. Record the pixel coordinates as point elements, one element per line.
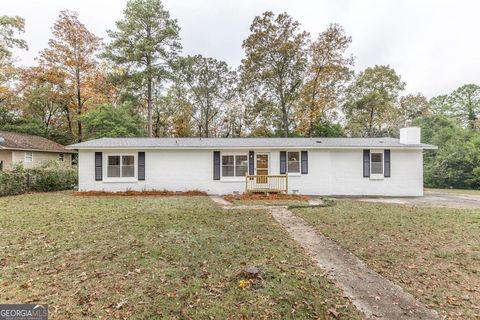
<point>433,253</point>
<point>270,199</point>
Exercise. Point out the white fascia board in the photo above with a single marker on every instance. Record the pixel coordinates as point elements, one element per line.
<point>251,147</point>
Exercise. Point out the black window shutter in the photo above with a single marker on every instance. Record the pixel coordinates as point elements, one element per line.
<point>283,162</point>
<point>141,166</point>
<point>366,163</point>
<point>304,162</point>
<point>386,163</point>
<point>251,163</point>
<point>216,165</point>
<point>98,166</point>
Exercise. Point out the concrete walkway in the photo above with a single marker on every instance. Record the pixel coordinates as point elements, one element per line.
<point>432,199</point>
<point>374,295</point>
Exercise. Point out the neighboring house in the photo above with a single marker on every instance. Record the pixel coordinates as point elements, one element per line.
<point>29,150</point>
<point>314,166</point>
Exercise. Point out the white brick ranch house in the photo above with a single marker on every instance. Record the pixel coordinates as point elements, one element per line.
<point>311,166</point>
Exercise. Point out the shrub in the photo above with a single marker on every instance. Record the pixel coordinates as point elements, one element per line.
<point>50,176</point>
<point>12,183</point>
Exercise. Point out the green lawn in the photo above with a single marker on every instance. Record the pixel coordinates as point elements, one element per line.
<point>458,191</point>
<point>155,257</point>
<point>434,253</point>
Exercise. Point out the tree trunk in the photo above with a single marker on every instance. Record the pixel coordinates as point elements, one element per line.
<point>149,96</point>
<point>284,116</point>
<point>310,127</point>
<point>149,88</point>
<point>471,116</point>
<point>312,106</point>
<point>285,121</point>
<point>149,106</point>
<point>370,125</point>
<point>79,106</point>
<point>69,120</point>
<point>48,119</point>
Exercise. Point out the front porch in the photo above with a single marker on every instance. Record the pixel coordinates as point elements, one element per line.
<point>266,184</point>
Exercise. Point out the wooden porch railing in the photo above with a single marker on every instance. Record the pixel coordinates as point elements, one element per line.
<point>266,184</point>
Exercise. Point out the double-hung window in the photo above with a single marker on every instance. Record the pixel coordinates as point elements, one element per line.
<point>293,162</point>
<point>376,163</point>
<point>28,156</point>
<point>234,165</point>
<point>121,166</point>
<point>61,157</point>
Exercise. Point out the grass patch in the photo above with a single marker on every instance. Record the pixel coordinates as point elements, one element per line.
<point>457,191</point>
<point>156,258</point>
<point>433,253</point>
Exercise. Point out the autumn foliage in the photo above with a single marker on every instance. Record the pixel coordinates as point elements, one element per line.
<point>71,55</point>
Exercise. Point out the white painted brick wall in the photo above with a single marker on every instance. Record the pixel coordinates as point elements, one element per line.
<point>330,172</point>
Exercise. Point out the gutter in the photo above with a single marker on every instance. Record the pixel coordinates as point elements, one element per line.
<point>406,147</point>
<point>40,150</point>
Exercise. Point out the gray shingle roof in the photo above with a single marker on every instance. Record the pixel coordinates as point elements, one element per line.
<point>230,143</point>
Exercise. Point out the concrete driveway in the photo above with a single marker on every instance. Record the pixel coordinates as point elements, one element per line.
<point>433,199</point>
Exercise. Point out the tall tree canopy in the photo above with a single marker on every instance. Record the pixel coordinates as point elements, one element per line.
<point>41,99</point>
<point>172,113</point>
<point>413,106</point>
<point>371,106</point>
<point>71,53</point>
<point>113,121</point>
<point>144,45</point>
<point>327,74</point>
<point>10,27</point>
<point>440,105</point>
<point>210,85</point>
<point>275,63</point>
<point>464,104</point>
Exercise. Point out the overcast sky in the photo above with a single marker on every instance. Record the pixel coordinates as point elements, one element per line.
<point>433,44</point>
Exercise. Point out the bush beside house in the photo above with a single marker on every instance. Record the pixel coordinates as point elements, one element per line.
<point>48,177</point>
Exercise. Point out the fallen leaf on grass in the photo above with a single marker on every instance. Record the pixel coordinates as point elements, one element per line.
<point>51,271</point>
<point>26,285</point>
<point>334,312</point>
<point>119,305</point>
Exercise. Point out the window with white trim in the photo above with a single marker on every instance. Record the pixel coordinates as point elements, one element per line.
<point>121,166</point>
<point>234,165</point>
<point>376,163</point>
<point>61,157</point>
<point>293,162</point>
<point>28,156</point>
